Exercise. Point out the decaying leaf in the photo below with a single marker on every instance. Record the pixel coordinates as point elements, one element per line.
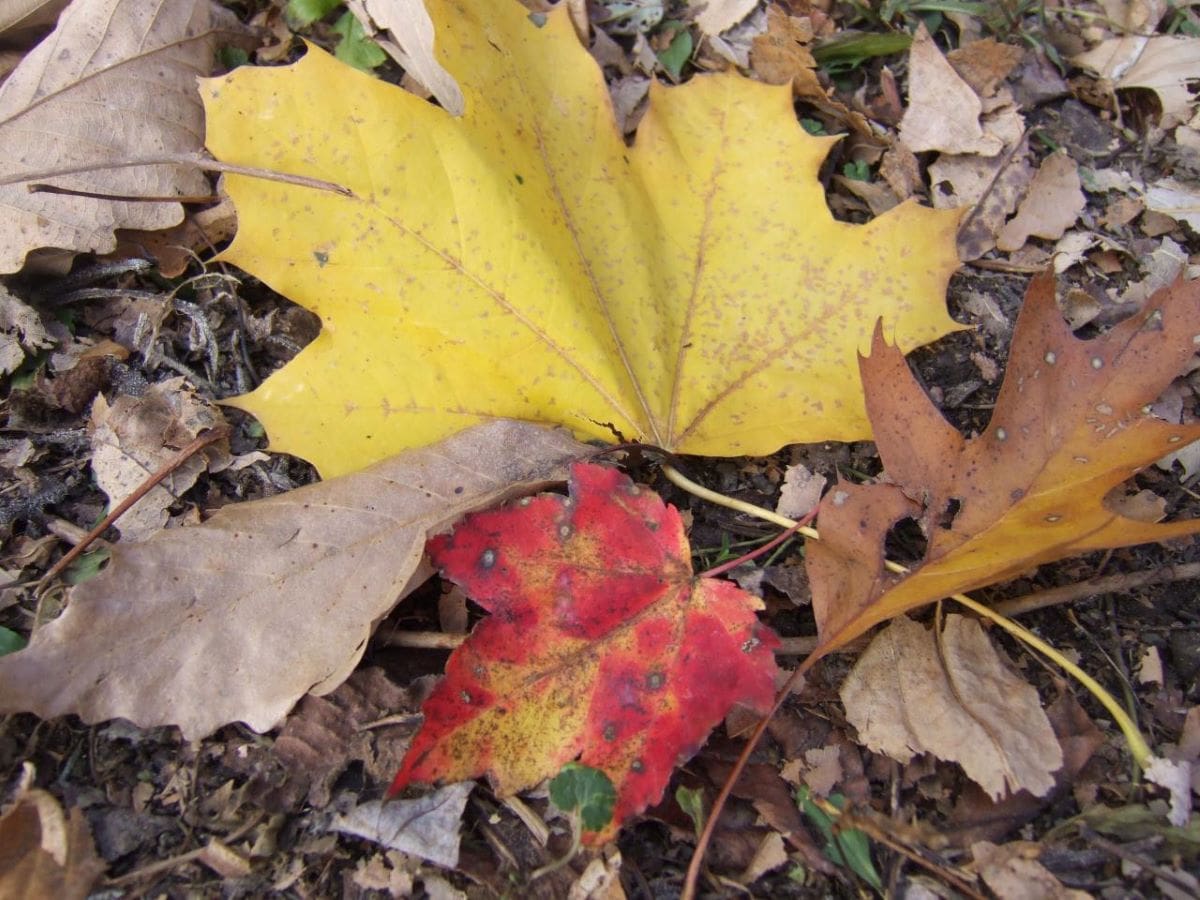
<point>1179,200</point>
<point>323,736</point>
<point>1071,423</point>
<point>238,618</point>
<point>1013,872</point>
<point>943,111</point>
<point>116,80</point>
<point>959,702</point>
<point>425,826</point>
<point>1169,65</point>
<point>601,645</point>
<point>716,16</point>
<point>21,331</point>
<point>20,18</point>
<point>1051,205</point>
<point>692,291</point>
<point>44,852</point>
<point>136,436</point>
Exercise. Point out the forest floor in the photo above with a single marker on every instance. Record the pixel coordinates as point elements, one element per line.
<point>241,814</point>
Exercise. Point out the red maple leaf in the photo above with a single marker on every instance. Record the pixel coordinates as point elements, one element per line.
<point>601,645</point>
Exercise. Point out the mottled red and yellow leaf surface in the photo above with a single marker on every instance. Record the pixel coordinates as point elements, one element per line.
<point>1072,422</point>
<point>522,261</point>
<point>601,645</point>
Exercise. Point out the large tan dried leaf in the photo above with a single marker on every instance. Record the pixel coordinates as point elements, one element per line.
<point>960,702</point>
<point>1072,422</point>
<point>44,852</point>
<point>240,617</point>
<point>116,80</point>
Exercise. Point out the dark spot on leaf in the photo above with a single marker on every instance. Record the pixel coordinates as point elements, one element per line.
<point>459,489</point>
<point>655,681</point>
<point>610,732</point>
<point>321,257</point>
<point>637,766</point>
<point>520,180</point>
<point>487,559</point>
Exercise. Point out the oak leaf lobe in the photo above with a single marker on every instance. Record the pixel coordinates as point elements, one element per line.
<point>1072,422</point>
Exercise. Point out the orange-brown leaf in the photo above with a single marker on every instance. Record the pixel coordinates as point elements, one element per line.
<point>601,644</point>
<point>1072,422</point>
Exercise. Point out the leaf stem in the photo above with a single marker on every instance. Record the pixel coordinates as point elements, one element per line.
<point>1138,747</point>
<point>680,480</point>
<point>556,864</point>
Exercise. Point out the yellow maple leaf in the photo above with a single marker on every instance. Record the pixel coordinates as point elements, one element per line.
<point>692,291</point>
<point>1072,422</point>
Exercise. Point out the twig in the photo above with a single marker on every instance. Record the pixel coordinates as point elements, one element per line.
<point>1109,584</point>
<point>966,223</point>
<point>164,865</point>
<point>210,436</point>
<point>440,640</point>
<point>180,159</point>
<point>40,188</point>
<point>423,640</point>
<point>1137,859</point>
<point>876,829</point>
<point>758,551</point>
<point>680,480</point>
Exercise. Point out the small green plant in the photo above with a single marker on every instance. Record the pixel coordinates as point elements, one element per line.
<point>303,13</point>
<point>354,48</point>
<point>584,794</point>
<point>10,641</point>
<point>86,566</point>
<point>587,796</point>
<point>857,170</point>
<point>847,847</point>
<point>691,801</point>
<point>679,51</point>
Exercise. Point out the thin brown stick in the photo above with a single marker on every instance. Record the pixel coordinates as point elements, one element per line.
<point>1109,584</point>
<point>1004,163</point>
<point>440,640</point>
<point>423,640</point>
<point>181,159</point>
<point>211,436</point>
<point>876,828</point>
<point>165,865</point>
<point>693,872</point>
<point>37,188</point>
<point>1144,862</point>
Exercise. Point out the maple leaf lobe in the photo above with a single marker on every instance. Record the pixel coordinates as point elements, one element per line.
<point>693,290</point>
<point>601,644</point>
